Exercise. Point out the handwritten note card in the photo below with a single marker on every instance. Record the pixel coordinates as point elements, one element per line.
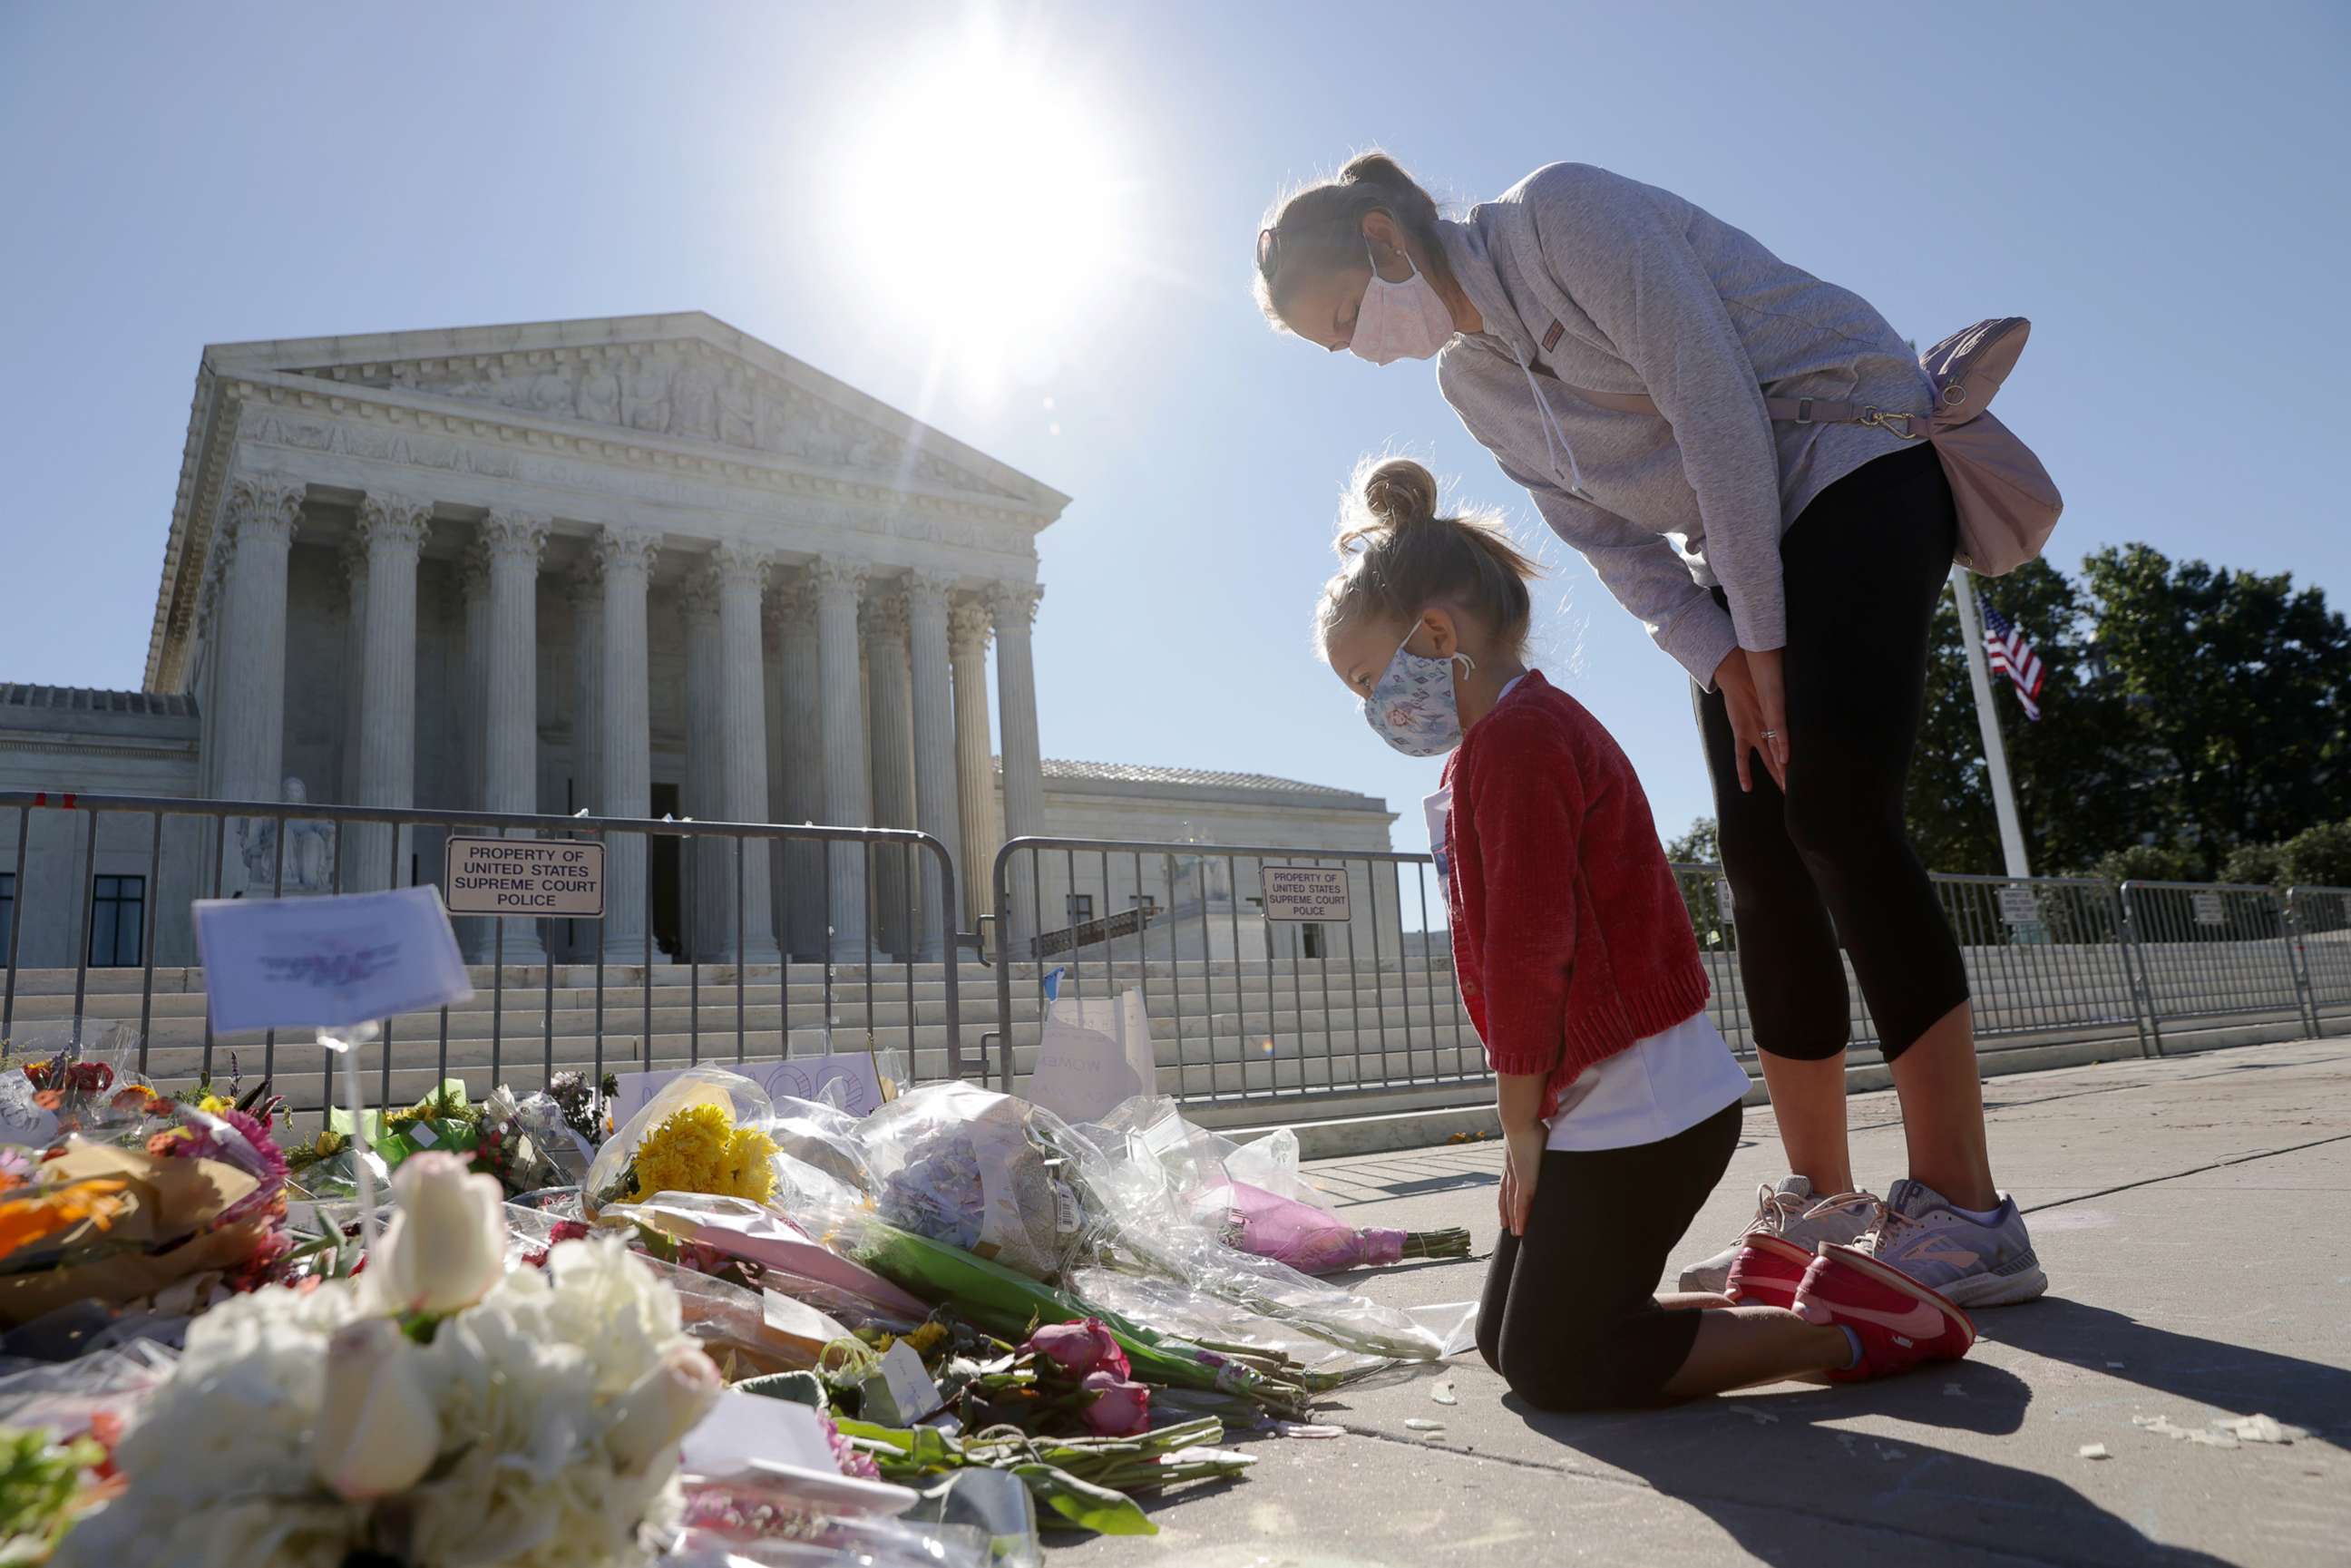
<point>315,963</point>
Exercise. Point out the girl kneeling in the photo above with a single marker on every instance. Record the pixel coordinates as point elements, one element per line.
<point>1619,1100</point>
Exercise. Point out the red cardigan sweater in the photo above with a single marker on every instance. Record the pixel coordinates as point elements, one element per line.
<point>1569,936</point>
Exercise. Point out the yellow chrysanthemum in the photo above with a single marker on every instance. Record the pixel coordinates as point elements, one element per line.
<point>700,1149</point>
<point>214,1104</point>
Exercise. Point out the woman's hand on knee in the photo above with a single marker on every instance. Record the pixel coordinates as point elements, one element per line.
<point>1755,696</point>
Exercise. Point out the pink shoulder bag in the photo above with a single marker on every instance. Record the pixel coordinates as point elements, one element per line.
<point>2008,505</point>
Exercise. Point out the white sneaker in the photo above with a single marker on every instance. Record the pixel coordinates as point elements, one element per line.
<point>1788,1210</point>
<point>1969,1262</point>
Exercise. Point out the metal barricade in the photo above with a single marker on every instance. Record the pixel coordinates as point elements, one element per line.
<point>2319,922</point>
<point>2209,950</point>
<point>1246,1003</point>
<point>2044,956</point>
<point>846,974</point>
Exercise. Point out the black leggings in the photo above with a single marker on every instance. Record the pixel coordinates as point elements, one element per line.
<point>1569,1315</point>
<point>1829,860</point>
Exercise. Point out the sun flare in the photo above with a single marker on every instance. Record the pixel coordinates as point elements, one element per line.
<point>983,201</point>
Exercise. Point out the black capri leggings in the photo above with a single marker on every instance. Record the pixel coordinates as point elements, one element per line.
<point>1569,1315</point>
<point>1829,860</point>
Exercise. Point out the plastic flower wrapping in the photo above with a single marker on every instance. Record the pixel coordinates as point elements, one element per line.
<point>537,1424</point>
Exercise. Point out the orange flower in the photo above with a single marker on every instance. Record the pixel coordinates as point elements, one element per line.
<point>49,1099</point>
<point>39,1216</point>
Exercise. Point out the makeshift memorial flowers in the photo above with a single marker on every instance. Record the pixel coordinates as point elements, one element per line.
<point>1309,1239</point>
<point>93,1222</point>
<point>1083,1482</point>
<point>434,1410</point>
<point>43,1483</point>
<point>582,1107</point>
<point>977,1170</point>
<point>699,1133</point>
<point>700,1149</point>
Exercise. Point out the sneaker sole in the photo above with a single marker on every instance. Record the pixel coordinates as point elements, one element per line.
<point>1887,1274</point>
<point>1998,1289</point>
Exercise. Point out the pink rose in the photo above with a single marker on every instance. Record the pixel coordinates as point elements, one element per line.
<point>1077,1349</point>
<point>1119,1408</point>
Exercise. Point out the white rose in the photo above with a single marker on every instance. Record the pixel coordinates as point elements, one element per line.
<point>376,1431</point>
<point>655,1417</point>
<point>447,1244</point>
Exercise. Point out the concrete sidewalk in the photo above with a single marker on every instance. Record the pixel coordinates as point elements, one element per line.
<point>2195,1216</point>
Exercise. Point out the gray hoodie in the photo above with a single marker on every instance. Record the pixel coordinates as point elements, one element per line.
<point>1609,284</point>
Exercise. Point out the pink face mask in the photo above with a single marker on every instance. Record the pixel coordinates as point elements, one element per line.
<point>1405,321</point>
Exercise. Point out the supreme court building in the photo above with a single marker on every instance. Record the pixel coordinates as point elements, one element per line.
<point>631,567</point>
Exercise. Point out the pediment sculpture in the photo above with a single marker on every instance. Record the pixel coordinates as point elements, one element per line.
<point>664,389</point>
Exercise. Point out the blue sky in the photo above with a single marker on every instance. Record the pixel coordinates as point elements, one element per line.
<point>2161,187</point>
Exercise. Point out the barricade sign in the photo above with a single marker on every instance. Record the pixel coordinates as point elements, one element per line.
<point>2018,907</point>
<point>1305,892</point>
<point>2208,909</point>
<point>527,878</point>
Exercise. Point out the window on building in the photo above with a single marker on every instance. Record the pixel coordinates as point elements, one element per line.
<point>1310,940</point>
<point>7,910</point>
<point>1081,909</point>
<point>117,916</point>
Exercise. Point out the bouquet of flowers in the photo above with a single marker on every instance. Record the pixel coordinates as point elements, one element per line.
<point>435,1410</point>
<point>977,1170</point>
<point>1309,1239</point>
<point>114,1225</point>
<point>699,1133</point>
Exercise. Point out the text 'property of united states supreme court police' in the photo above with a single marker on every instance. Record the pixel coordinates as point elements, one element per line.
<point>559,877</point>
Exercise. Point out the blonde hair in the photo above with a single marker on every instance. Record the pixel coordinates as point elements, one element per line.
<point>1319,228</point>
<point>1400,557</point>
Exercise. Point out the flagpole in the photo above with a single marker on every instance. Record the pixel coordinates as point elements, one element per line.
<point>2003,796</point>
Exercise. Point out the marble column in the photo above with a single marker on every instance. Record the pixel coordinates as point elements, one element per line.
<point>937,809</point>
<point>587,588</point>
<point>708,869</point>
<point>515,543</point>
<point>262,515</point>
<point>1015,604</point>
<point>839,580</point>
<point>890,725</point>
<point>477,933</point>
<point>800,691</point>
<point>742,576</point>
<point>210,628</point>
<point>353,560</point>
<point>626,777</point>
<point>584,589</point>
<point>967,625</point>
<point>391,529</point>
<point>771,691</point>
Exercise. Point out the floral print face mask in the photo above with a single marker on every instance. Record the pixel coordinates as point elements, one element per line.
<point>1412,707</point>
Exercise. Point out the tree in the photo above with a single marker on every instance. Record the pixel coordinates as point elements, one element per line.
<point>1703,844</point>
<point>2081,776</point>
<point>2239,683</point>
<point>2185,707</point>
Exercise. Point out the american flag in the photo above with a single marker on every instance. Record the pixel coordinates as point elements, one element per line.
<point>2010,651</point>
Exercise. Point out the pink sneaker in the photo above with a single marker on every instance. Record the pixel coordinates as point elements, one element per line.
<point>1767,1272</point>
<point>1900,1322</point>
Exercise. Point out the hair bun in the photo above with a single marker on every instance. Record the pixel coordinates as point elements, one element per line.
<point>1400,494</point>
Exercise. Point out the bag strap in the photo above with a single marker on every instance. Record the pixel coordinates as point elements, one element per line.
<point>1789,410</point>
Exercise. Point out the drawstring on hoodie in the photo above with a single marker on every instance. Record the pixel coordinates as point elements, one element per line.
<point>1550,428</point>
